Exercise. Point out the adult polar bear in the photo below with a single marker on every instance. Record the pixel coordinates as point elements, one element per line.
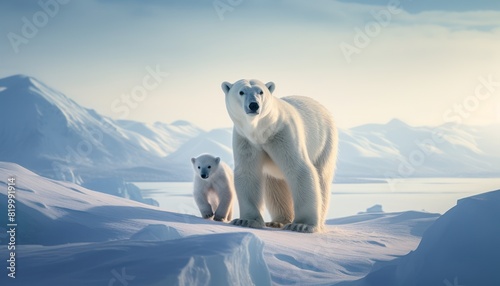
<point>284,154</point>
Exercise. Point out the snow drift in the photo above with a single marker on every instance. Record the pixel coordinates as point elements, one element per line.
<point>212,259</point>
<point>460,248</point>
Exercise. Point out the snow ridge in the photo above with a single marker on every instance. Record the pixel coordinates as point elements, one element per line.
<point>460,248</point>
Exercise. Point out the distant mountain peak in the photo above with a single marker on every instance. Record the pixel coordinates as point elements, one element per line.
<point>18,80</point>
<point>181,123</point>
<point>23,85</point>
<point>396,122</point>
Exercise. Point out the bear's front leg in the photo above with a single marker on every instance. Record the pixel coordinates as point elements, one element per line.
<point>247,182</point>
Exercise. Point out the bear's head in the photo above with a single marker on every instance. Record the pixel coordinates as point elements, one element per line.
<point>205,165</point>
<point>247,98</point>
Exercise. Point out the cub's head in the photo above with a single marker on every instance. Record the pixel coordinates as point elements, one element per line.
<point>205,165</point>
<point>247,98</point>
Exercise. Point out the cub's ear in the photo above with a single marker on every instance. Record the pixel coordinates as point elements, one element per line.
<point>217,160</point>
<point>226,86</point>
<point>193,160</point>
<point>270,85</point>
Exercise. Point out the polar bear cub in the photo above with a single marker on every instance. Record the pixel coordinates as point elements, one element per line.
<point>213,188</point>
<point>285,151</point>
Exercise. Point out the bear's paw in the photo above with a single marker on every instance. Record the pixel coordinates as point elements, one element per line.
<point>275,224</point>
<point>247,223</point>
<point>207,215</point>
<point>301,227</point>
<point>219,217</point>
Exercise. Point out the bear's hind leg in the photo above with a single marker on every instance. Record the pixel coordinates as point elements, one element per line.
<point>279,202</point>
<point>326,170</point>
<point>325,181</point>
<point>230,214</point>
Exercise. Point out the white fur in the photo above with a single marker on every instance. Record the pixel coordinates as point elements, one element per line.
<point>284,154</point>
<point>219,183</point>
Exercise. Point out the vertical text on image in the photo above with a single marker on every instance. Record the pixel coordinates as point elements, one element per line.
<point>11,226</point>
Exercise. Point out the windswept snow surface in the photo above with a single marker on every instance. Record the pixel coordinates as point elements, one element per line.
<point>212,259</point>
<point>68,235</point>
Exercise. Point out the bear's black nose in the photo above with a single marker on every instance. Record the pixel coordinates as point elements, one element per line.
<point>254,106</point>
<point>204,176</point>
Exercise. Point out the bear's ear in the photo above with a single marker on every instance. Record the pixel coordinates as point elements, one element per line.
<point>270,85</point>
<point>217,160</point>
<point>226,86</point>
<point>193,160</point>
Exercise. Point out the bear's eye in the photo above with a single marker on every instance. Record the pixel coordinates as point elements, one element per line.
<point>242,93</point>
<point>199,167</point>
<point>261,92</point>
<point>209,167</point>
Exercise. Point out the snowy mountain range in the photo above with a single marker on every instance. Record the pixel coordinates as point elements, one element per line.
<point>397,150</point>
<point>47,132</point>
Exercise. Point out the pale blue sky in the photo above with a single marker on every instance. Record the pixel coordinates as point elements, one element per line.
<point>417,66</point>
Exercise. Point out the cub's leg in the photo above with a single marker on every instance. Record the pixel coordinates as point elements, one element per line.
<point>201,199</point>
<point>225,201</point>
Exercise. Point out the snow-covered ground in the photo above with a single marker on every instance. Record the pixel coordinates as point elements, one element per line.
<point>462,247</point>
<point>68,235</point>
